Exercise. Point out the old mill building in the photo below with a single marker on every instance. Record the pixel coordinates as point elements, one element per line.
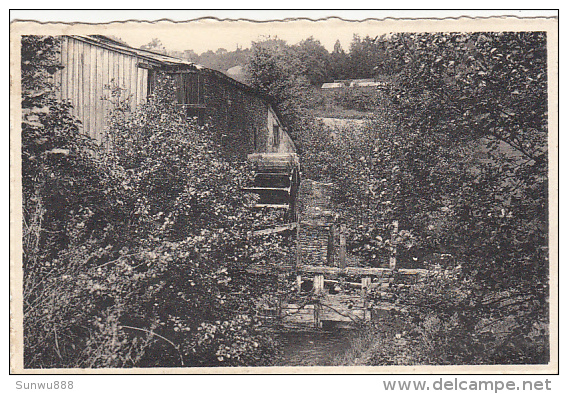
<point>249,125</point>
<point>248,122</point>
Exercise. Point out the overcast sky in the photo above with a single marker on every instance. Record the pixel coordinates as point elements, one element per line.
<point>212,34</point>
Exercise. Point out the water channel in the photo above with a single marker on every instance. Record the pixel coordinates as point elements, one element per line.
<point>313,347</point>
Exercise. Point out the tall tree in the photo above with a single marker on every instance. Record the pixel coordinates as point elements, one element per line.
<point>474,170</point>
<point>314,60</point>
<point>275,69</point>
<point>338,62</point>
<point>369,57</point>
<point>486,93</point>
<point>155,46</point>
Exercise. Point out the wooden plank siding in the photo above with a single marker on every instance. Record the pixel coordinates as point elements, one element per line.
<point>91,64</point>
<point>88,71</point>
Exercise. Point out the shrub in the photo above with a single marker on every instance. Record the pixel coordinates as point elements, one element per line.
<point>132,246</point>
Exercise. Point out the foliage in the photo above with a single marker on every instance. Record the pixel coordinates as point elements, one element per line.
<point>480,99</point>
<point>154,46</point>
<point>231,343</point>
<point>457,154</point>
<point>132,246</point>
<point>274,69</point>
<point>436,322</point>
<point>369,57</point>
<point>222,59</point>
<point>314,60</point>
<point>339,62</point>
<point>60,180</point>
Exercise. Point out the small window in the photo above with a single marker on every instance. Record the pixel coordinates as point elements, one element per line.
<point>189,94</point>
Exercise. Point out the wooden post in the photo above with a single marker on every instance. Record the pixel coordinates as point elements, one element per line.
<point>318,284</point>
<point>330,245</point>
<point>317,317</point>
<point>318,289</point>
<point>298,245</point>
<point>342,246</point>
<point>394,236</point>
<point>281,279</point>
<point>365,284</point>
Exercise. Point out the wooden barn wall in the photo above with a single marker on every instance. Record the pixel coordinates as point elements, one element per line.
<point>87,73</point>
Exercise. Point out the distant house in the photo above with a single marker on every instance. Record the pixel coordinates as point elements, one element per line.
<point>248,123</point>
<point>333,85</point>
<point>366,83</point>
<point>355,83</point>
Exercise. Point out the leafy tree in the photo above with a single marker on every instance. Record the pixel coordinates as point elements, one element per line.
<point>155,46</point>
<point>471,153</point>
<point>457,153</point>
<point>338,62</point>
<point>314,60</point>
<point>275,70</point>
<point>487,92</point>
<point>64,197</point>
<point>221,59</point>
<point>368,57</point>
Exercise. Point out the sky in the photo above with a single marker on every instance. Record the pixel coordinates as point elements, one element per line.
<point>225,32</point>
<point>204,35</point>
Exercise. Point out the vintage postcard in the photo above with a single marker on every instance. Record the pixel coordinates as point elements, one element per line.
<point>284,196</point>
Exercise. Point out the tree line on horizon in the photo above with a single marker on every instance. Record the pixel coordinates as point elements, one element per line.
<point>366,57</point>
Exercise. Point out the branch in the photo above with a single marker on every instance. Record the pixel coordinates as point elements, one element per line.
<point>159,336</point>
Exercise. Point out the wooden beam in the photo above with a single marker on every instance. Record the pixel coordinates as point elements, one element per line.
<point>276,206</point>
<point>320,269</point>
<point>342,246</point>
<point>414,271</point>
<point>316,224</point>
<point>257,189</point>
<point>272,230</point>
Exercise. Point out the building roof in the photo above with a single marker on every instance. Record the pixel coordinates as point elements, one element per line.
<point>332,85</point>
<point>159,60</point>
<point>152,57</point>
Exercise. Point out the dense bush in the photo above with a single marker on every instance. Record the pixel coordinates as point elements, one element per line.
<point>457,153</point>
<point>134,251</point>
<point>437,321</point>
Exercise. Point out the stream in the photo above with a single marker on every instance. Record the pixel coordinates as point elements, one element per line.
<point>313,347</point>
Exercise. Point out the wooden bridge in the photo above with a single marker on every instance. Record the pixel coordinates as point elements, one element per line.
<point>330,286</point>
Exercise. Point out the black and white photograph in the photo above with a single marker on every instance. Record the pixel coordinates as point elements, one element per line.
<point>324,194</point>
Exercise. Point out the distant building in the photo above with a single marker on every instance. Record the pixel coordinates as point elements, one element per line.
<point>355,83</point>
<point>248,122</point>
<point>333,85</point>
